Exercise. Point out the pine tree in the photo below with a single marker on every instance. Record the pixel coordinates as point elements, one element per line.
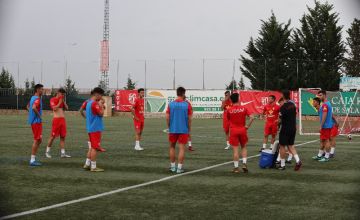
<point>232,85</point>
<point>352,63</point>
<point>241,83</point>
<point>130,84</point>
<point>6,79</point>
<point>267,66</point>
<point>318,43</point>
<point>70,87</point>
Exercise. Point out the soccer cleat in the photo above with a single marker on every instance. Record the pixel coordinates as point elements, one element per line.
<point>138,148</point>
<point>65,156</point>
<point>324,159</point>
<point>316,157</point>
<point>236,170</point>
<point>97,169</point>
<point>281,168</point>
<point>48,155</point>
<point>178,171</point>
<point>190,148</point>
<point>227,147</point>
<point>35,164</point>
<point>261,149</point>
<point>298,166</point>
<point>332,155</point>
<point>101,149</point>
<point>172,169</point>
<point>86,167</point>
<point>244,168</point>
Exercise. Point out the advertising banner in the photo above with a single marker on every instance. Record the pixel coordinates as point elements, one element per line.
<point>348,83</point>
<point>256,100</point>
<point>124,99</point>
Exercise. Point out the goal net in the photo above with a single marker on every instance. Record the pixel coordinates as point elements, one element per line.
<point>345,106</point>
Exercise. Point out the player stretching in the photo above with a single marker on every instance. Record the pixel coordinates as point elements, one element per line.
<point>238,131</point>
<point>94,127</point>
<point>288,131</point>
<point>58,105</point>
<point>226,103</point>
<point>137,111</point>
<point>271,112</point>
<point>326,123</point>
<point>178,119</point>
<point>34,119</point>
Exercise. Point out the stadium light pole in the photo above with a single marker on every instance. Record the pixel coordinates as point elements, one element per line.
<point>117,74</point>
<point>233,76</point>
<point>41,71</point>
<point>174,71</point>
<point>265,76</point>
<point>297,72</point>
<point>203,76</point>
<point>145,74</point>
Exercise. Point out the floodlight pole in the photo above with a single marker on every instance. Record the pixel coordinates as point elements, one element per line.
<point>174,71</point>
<point>117,74</point>
<point>265,76</point>
<point>145,72</point>
<point>203,66</point>
<point>41,71</point>
<point>233,76</point>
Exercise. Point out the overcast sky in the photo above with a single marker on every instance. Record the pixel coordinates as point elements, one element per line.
<point>53,31</point>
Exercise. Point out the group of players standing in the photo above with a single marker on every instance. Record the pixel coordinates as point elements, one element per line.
<point>179,117</point>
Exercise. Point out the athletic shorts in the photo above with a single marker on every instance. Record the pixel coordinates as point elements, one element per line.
<point>226,124</point>
<point>287,138</point>
<point>58,127</point>
<point>95,139</point>
<point>271,128</point>
<point>37,131</point>
<point>139,125</point>
<point>334,131</point>
<point>179,138</point>
<point>238,136</point>
<point>325,133</point>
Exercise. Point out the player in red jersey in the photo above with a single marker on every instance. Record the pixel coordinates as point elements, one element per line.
<point>137,111</point>
<point>58,105</point>
<point>226,103</point>
<point>236,116</point>
<point>271,112</point>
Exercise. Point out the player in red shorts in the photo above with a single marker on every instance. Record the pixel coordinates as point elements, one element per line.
<point>34,119</point>
<point>137,111</point>
<point>226,103</point>
<point>58,105</point>
<point>238,131</point>
<point>271,112</point>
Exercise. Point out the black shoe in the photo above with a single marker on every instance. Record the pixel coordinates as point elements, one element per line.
<point>261,149</point>
<point>244,168</point>
<point>288,161</point>
<point>281,168</point>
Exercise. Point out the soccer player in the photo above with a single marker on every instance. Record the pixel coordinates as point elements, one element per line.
<point>271,112</point>
<point>94,127</point>
<point>226,103</point>
<point>326,124</point>
<point>58,105</point>
<point>34,119</point>
<point>137,111</point>
<point>178,119</point>
<point>288,131</point>
<point>236,116</point>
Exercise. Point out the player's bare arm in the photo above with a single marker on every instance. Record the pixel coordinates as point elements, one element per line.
<point>133,113</point>
<point>252,118</point>
<point>82,112</point>
<point>28,106</point>
<point>168,120</point>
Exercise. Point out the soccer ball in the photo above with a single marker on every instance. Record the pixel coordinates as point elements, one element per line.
<point>349,137</point>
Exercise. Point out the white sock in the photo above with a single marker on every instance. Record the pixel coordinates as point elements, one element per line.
<point>62,151</point>
<point>278,158</point>
<point>227,143</point>
<point>264,146</point>
<point>32,159</point>
<point>48,149</point>
<point>189,143</point>
<point>282,162</point>
<point>327,155</point>
<point>89,144</point>
<point>179,166</point>
<point>290,157</point>
<point>332,150</point>
<point>244,160</point>
<point>87,162</point>
<point>236,164</point>
<point>297,158</point>
<point>321,152</point>
<point>137,143</point>
<point>172,165</point>
<point>93,164</point>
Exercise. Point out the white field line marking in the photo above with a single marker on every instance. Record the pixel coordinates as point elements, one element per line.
<point>124,189</point>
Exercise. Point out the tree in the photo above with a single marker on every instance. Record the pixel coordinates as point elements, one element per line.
<point>241,83</point>
<point>6,79</point>
<point>70,87</point>
<point>130,84</point>
<point>352,63</point>
<point>232,85</point>
<point>29,86</point>
<point>318,43</point>
<point>268,64</point>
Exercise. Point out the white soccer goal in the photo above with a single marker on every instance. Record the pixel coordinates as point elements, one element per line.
<point>345,106</point>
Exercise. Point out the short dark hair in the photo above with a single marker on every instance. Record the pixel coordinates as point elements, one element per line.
<point>273,97</point>
<point>317,99</point>
<point>227,92</point>
<point>62,90</point>
<point>38,86</point>
<point>141,89</point>
<point>98,90</point>
<point>286,94</point>
<point>281,99</point>
<point>234,97</point>
<point>322,92</point>
<point>180,91</point>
